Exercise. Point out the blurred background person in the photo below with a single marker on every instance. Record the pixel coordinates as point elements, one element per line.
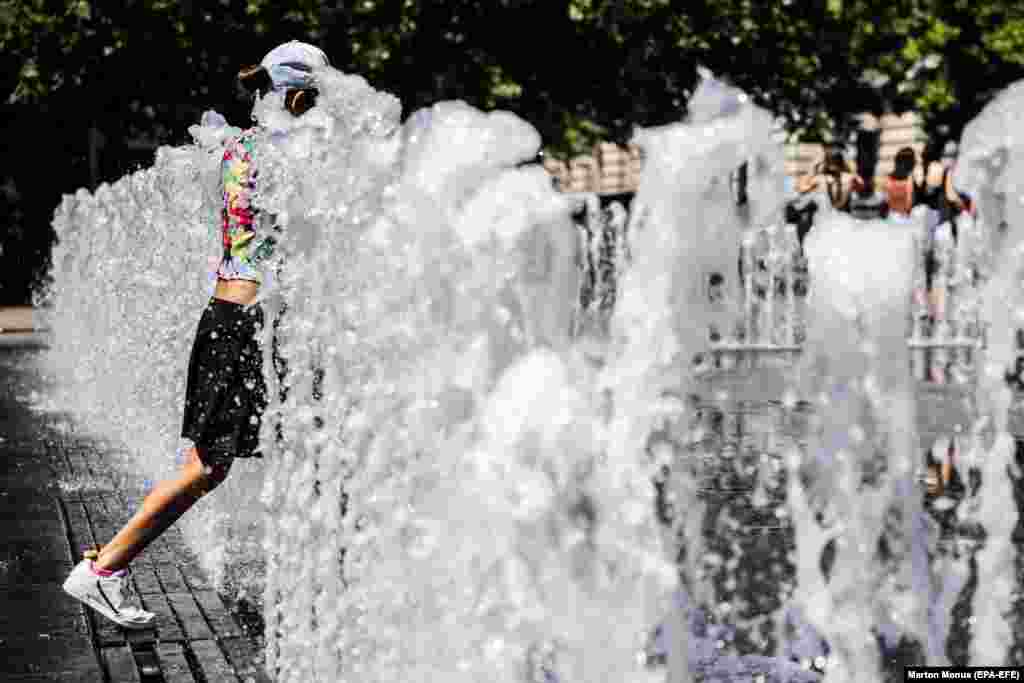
<point>835,177</point>
<point>903,184</point>
<point>937,191</point>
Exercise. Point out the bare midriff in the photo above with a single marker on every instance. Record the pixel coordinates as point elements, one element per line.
<point>239,291</point>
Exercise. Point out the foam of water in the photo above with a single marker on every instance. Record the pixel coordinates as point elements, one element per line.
<point>690,229</point>
<point>989,170</point>
<point>854,489</point>
<point>445,466</point>
<point>685,187</point>
<point>455,418</point>
<point>459,491</point>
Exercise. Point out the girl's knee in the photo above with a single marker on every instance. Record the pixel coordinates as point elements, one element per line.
<point>211,471</point>
<point>216,473</point>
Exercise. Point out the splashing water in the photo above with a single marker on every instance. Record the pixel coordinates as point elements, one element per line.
<point>853,495</point>
<point>990,170</point>
<point>690,229</point>
<point>857,476</point>
<point>443,465</point>
<point>455,487</point>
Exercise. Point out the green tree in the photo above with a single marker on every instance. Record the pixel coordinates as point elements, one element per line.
<point>963,54</point>
<point>579,70</point>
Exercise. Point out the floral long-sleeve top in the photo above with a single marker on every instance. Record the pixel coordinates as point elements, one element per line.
<point>244,247</point>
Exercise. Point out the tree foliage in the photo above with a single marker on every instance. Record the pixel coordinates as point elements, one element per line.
<point>579,70</point>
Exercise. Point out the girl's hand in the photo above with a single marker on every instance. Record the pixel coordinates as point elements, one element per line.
<point>806,183</point>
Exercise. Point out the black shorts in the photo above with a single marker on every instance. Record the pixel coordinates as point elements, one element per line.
<point>226,393</point>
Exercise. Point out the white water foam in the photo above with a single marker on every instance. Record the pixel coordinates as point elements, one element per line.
<point>990,170</point>
<point>460,491</point>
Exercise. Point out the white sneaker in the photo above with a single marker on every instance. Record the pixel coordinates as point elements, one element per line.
<point>111,596</point>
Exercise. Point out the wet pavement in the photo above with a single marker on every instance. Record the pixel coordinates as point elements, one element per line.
<point>58,496</point>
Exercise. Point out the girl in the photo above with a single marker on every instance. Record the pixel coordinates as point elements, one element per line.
<point>901,187</point>
<point>834,177</point>
<point>937,192</point>
<point>226,393</point>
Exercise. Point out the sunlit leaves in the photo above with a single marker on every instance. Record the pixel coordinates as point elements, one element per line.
<point>580,10</point>
<point>938,94</point>
<point>580,133</point>
<point>81,9</point>
<point>1007,41</point>
<point>502,86</point>
<point>612,63</point>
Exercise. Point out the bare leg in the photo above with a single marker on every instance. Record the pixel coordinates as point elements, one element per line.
<point>168,501</point>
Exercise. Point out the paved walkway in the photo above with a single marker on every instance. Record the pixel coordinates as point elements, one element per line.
<point>58,497</point>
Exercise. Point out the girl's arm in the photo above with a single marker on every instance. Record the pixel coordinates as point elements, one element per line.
<point>806,183</point>
<point>952,196</point>
<point>884,192</point>
<point>919,175</point>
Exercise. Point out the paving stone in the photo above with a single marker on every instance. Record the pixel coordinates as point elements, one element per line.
<point>212,662</point>
<point>174,542</point>
<point>195,577</point>
<point>146,581</point>
<point>58,677</point>
<point>158,553</point>
<point>171,578</point>
<point>173,664</point>
<point>79,465</point>
<point>145,657</point>
<point>221,621</point>
<point>34,552</point>
<point>20,503</point>
<point>81,532</point>
<point>107,632</point>
<point>103,526</point>
<point>140,637</point>
<point>167,628</point>
<point>57,458</point>
<point>141,562</point>
<point>190,616</point>
<point>120,664</point>
<point>242,654</point>
<point>48,606</point>
<point>61,653</point>
<point>100,507</point>
<point>115,508</point>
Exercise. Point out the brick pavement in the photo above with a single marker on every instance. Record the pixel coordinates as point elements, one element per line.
<point>59,495</point>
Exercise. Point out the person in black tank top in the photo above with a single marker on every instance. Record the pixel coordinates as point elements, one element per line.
<point>941,196</point>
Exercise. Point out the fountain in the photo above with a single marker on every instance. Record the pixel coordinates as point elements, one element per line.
<point>990,171</point>
<point>460,456</point>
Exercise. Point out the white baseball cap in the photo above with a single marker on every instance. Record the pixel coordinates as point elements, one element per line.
<point>290,64</point>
